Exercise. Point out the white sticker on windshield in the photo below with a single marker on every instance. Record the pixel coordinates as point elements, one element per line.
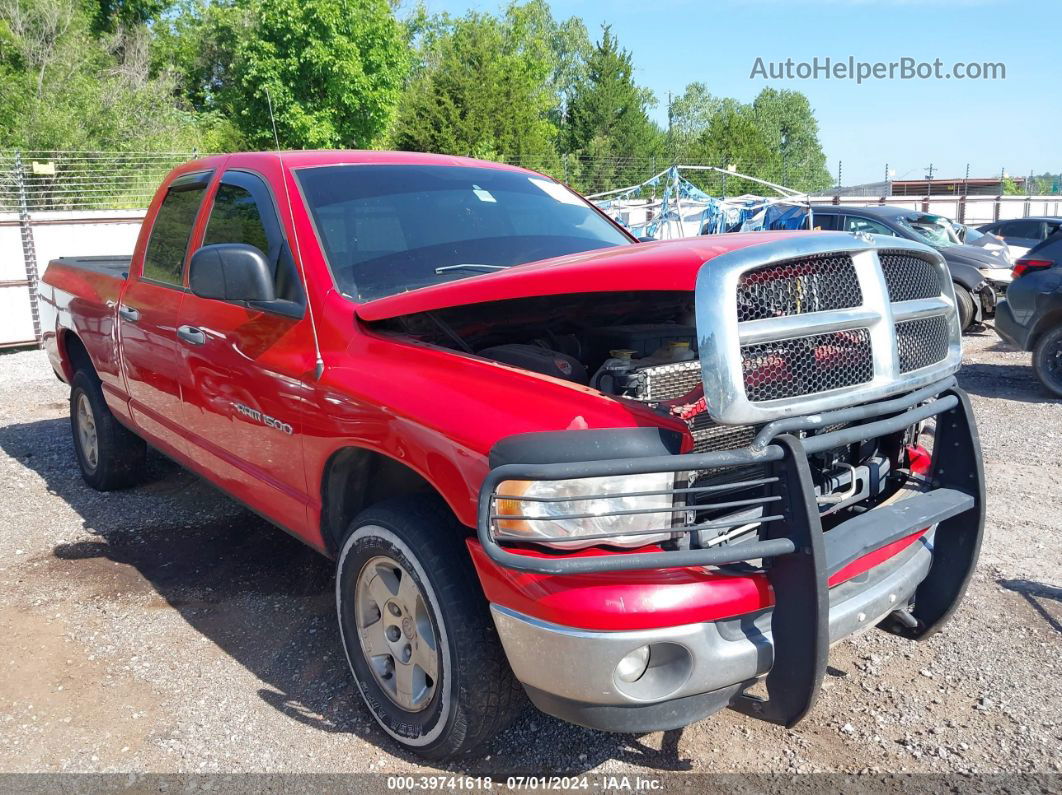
<point>556,190</point>
<point>483,195</point>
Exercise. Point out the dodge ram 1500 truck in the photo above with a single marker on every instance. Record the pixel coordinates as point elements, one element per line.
<point>639,482</point>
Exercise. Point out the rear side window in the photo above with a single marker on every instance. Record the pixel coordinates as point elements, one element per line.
<point>1028,229</point>
<point>236,219</point>
<point>825,222</point>
<point>168,244</point>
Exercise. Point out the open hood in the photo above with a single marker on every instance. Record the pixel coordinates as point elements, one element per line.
<point>669,265</point>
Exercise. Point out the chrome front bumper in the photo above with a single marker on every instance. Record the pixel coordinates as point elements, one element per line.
<point>565,669</point>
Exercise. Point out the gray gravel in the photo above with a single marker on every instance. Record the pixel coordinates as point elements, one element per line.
<point>167,629</point>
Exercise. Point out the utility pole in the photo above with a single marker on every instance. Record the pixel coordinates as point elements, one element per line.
<point>670,137</point>
<point>929,181</point>
<point>838,176</point>
<point>785,141</point>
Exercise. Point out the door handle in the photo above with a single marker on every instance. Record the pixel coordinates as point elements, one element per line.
<point>132,314</point>
<point>191,335</point>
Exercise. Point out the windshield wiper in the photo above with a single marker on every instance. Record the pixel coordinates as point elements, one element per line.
<point>471,266</point>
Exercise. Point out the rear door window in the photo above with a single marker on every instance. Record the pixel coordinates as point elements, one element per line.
<point>168,244</point>
<point>827,222</point>
<point>1028,230</point>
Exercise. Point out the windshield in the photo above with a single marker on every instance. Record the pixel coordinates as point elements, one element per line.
<point>386,229</point>
<point>933,229</point>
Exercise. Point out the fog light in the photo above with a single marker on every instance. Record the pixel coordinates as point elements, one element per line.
<point>631,667</point>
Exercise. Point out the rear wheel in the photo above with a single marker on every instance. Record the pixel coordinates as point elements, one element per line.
<point>109,456</point>
<point>965,302</point>
<point>417,631</point>
<point>1047,360</point>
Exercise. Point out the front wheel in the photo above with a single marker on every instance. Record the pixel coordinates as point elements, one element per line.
<point>965,302</point>
<point>1047,360</point>
<point>417,631</point>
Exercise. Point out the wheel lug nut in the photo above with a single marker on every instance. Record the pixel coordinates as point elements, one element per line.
<point>395,609</point>
<point>393,633</point>
<point>407,652</point>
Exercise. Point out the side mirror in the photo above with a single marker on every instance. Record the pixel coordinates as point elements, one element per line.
<point>231,272</point>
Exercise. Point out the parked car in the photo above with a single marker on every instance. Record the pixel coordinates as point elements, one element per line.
<point>1022,234</point>
<point>630,480</point>
<point>978,276</point>
<point>1031,316</point>
<point>994,245</point>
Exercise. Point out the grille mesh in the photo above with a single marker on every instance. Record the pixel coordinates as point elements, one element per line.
<point>708,437</point>
<point>909,277</point>
<point>807,365</point>
<point>812,284</point>
<point>921,342</point>
<point>669,381</point>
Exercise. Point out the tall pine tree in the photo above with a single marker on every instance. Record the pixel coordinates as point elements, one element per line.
<point>607,121</point>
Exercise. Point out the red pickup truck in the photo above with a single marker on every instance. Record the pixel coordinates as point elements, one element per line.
<point>631,480</point>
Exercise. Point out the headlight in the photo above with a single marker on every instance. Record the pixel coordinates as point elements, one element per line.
<point>995,274</point>
<point>596,504</point>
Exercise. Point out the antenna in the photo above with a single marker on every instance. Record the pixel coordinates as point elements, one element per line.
<point>318,369</point>
<point>272,119</point>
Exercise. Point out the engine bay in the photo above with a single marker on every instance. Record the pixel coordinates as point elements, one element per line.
<point>609,341</point>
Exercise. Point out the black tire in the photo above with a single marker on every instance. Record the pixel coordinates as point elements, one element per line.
<point>1047,360</point>
<point>119,453</point>
<point>965,303</point>
<point>475,696</point>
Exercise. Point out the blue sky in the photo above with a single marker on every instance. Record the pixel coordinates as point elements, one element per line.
<point>1014,123</point>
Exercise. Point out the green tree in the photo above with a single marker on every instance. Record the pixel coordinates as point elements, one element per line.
<point>734,140</point>
<point>608,114</point>
<point>483,89</point>
<point>788,124</point>
<point>689,116</point>
<point>112,15</point>
<point>333,68</point>
<point>65,88</point>
<point>1011,187</point>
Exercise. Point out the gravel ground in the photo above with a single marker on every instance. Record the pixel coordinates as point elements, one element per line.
<point>167,629</point>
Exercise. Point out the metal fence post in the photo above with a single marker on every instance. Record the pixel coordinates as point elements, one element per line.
<point>29,251</point>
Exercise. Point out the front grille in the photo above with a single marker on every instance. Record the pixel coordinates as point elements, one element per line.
<point>812,284</point>
<point>909,277</point>
<point>921,342</point>
<point>669,381</point>
<point>807,365</point>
